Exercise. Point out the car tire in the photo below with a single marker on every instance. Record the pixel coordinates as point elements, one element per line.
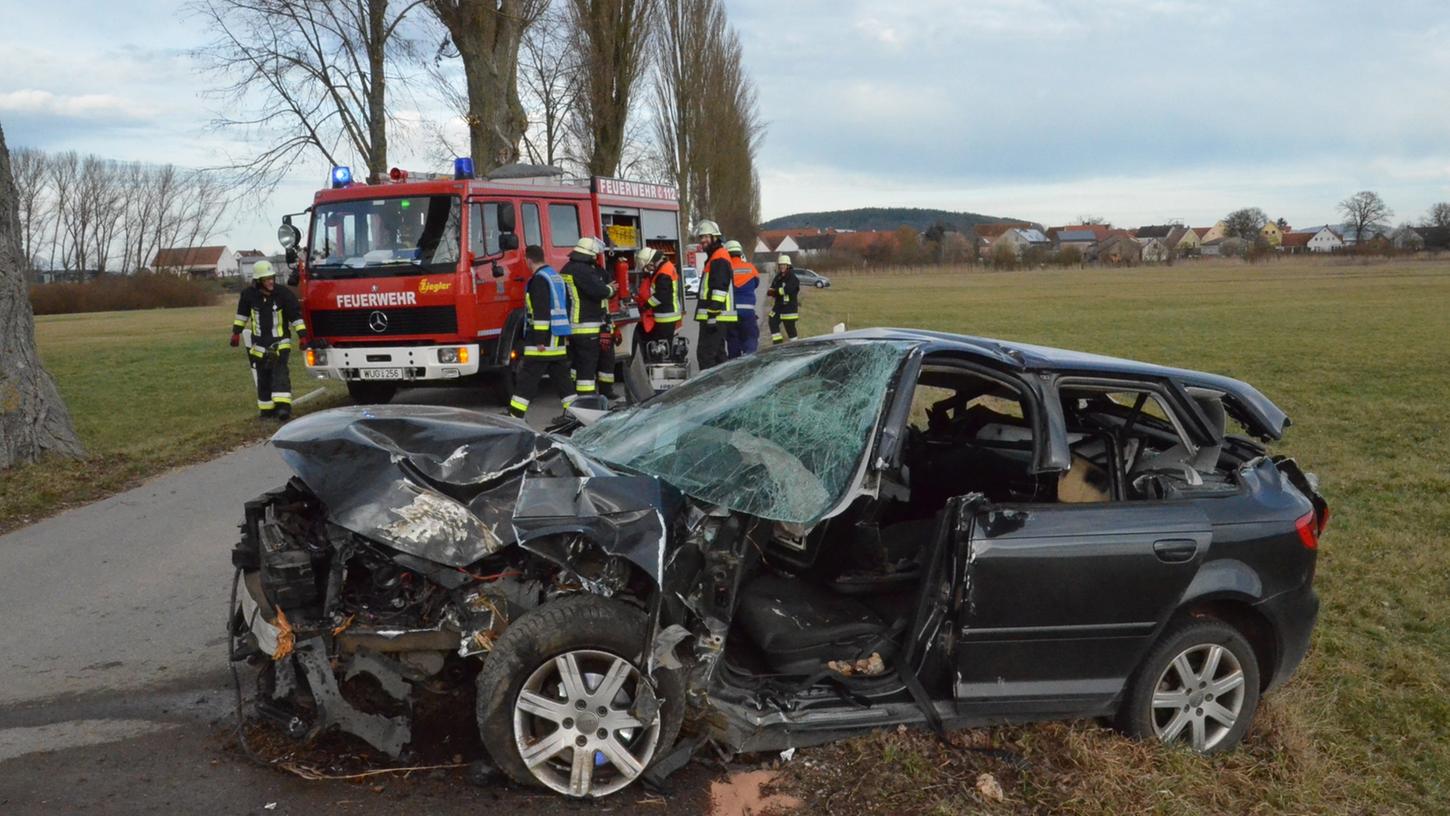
<point>371,393</point>
<point>1177,697</point>
<point>820,284</point>
<point>597,637</point>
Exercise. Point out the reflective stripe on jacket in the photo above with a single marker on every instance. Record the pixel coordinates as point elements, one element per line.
<point>664,300</point>
<point>747,280</point>
<point>717,289</point>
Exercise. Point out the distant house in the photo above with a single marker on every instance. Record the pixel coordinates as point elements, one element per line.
<point>1271,234</point>
<point>1184,241</point>
<point>807,245</point>
<point>1211,249</point>
<point>1407,239</point>
<point>1145,234</point>
<point>198,262</point>
<point>1215,232</point>
<point>863,242</point>
<point>1119,249</point>
<point>1326,239</point>
<point>1081,240</point>
<point>761,248</point>
<point>1296,242</point>
<point>1351,236</point>
<point>1021,240</point>
<point>983,235</point>
<point>1154,250</point>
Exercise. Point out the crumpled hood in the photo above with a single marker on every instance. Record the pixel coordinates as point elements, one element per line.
<point>454,486</point>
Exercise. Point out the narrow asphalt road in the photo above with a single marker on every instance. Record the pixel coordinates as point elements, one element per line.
<point>114,690</point>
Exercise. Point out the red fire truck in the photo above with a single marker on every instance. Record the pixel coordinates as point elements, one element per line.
<point>420,281</point>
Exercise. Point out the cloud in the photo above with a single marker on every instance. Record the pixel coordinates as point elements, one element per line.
<point>111,107</point>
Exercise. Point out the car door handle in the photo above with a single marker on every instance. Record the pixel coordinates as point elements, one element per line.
<point>1175,550</point>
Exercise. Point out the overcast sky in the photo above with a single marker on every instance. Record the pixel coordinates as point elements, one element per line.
<point>1137,110</point>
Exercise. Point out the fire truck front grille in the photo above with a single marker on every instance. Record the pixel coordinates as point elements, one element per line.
<point>385,322</point>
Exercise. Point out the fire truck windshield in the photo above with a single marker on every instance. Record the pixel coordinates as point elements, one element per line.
<point>378,237</point>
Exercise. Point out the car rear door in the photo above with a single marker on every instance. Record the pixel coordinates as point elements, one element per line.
<point>1058,602</point>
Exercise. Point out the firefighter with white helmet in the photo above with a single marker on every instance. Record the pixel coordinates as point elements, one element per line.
<point>589,296</point>
<point>269,315</point>
<point>715,310</point>
<point>785,309</point>
<point>661,301</point>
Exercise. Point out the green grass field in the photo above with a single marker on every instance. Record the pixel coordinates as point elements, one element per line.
<point>148,390</point>
<point>1356,354</point>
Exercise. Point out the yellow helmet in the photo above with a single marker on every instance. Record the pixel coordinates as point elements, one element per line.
<point>263,269</point>
<point>647,256</point>
<point>784,260</point>
<point>734,248</point>
<point>707,227</point>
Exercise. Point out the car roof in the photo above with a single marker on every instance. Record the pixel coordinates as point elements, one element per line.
<point>1245,403</point>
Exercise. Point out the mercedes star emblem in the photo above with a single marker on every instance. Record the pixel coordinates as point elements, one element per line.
<point>378,322</point>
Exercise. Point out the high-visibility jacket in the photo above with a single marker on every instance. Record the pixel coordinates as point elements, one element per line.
<point>664,302</point>
<point>747,280</point>
<point>271,319</point>
<point>785,288</point>
<point>588,294</point>
<point>546,315</point>
<point>717,289</point>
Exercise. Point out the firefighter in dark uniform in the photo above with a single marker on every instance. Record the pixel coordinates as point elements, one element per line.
<point>589,296</point>
<point>270,315</point>
<point>715,310</point>
<point>744,336</point>
<point>785,310</point>
<point>546,328</point>
<point>660,301</point>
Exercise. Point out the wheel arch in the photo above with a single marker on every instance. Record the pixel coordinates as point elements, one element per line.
<point>1239,612</point>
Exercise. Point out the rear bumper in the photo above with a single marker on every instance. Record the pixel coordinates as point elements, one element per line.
<point>415,362</point>
<point>1293,615</point>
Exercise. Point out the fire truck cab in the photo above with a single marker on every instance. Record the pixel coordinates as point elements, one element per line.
<point>420,281</point>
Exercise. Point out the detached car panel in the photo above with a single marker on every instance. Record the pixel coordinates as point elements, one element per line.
<point>834,535</point>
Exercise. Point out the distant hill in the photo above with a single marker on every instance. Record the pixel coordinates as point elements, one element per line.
<point>880,218</point>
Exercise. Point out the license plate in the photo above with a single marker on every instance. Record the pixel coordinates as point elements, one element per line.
<point>380,374</point>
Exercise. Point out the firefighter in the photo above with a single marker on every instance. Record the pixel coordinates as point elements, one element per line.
<point>715,310</point>
<point>589,296</point>
<point>270,315</point>
<point>743,337</point>
<point>785,310</point>
<point>546,325</point>
<point>661,306</point>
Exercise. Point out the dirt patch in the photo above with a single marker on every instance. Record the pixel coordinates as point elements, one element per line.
<point>750,793</point>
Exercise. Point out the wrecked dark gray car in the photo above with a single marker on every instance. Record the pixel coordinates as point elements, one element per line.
<point>832,536</point>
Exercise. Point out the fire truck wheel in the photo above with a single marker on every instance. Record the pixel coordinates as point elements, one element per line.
<point>371,393</point>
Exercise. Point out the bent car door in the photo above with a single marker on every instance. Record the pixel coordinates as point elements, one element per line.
<point>1058,602</point>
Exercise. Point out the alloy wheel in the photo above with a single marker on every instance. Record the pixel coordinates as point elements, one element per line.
<point>1199,697</point>
<point>575,726</point>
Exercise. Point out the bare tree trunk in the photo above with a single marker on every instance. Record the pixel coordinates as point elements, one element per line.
<point>610,39</point>
<point>487,35</point>
<point>33,417</point>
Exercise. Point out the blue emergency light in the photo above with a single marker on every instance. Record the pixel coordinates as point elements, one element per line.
<point>462,168</point>
<point>341,176</point>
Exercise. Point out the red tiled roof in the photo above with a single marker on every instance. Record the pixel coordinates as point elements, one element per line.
<point>1201,231</point>
<point>1099,231</point>
<point>860,241</point>
<point>187,257</point>
<point>1297,239</point>
<point>990,231</point>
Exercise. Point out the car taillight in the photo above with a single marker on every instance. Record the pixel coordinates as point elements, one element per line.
<point>1308,529</point>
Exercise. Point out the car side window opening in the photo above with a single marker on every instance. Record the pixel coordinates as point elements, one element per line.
<point>563,225</point>
<point>1129,444</point>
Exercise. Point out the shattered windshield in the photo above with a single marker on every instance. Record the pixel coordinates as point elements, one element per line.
<point>374,237</point>
<point>778,434</point>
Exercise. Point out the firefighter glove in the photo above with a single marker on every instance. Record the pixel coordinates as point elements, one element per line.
<point>236,338</point>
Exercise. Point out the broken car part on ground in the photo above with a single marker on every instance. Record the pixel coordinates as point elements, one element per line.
<point>832,536</point>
